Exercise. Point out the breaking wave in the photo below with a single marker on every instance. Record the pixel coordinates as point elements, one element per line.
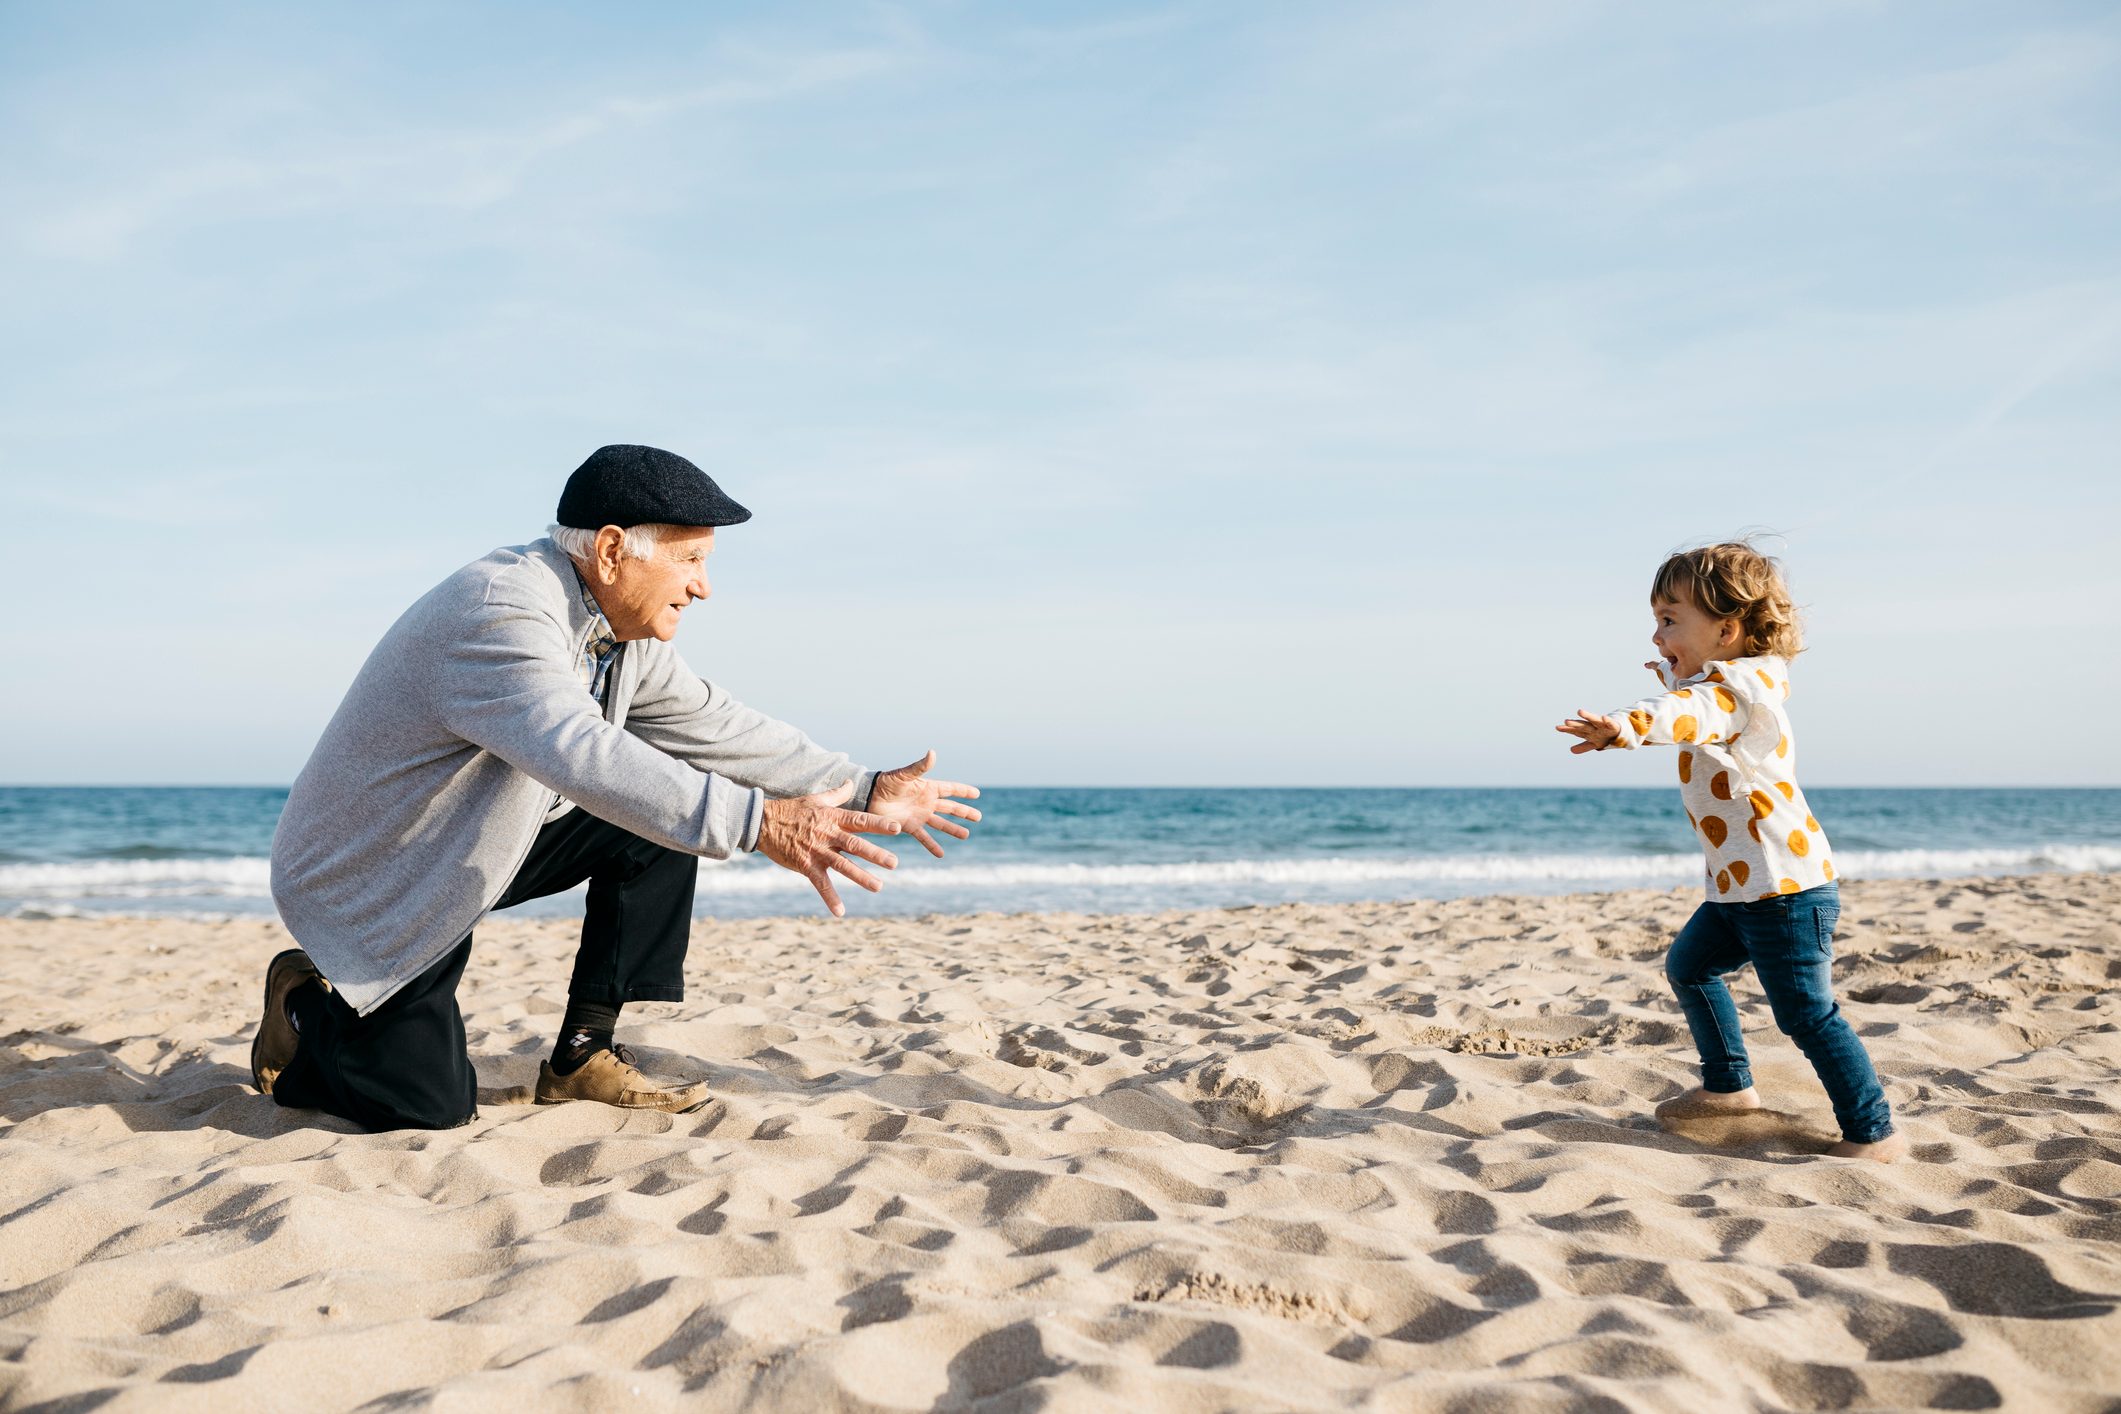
<point>249,878</point>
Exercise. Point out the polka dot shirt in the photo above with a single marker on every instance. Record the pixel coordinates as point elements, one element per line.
<point>1737,776</point>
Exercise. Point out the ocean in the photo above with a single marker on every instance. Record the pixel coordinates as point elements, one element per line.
<point>192,850</point>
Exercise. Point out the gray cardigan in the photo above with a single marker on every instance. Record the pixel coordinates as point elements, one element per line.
<point>432,779</point>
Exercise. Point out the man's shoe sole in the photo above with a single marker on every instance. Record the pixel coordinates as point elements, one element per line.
<point>694,1109</point>
<point>273,1026</point>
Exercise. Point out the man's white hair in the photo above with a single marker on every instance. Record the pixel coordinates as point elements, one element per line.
<point>579,544</point>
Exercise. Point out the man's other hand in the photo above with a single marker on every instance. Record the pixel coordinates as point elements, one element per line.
<point>811,835</point>
<point>918,803</point>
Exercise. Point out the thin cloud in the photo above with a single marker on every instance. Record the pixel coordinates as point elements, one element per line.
<point>1971,116</point>
<point>464,169</point>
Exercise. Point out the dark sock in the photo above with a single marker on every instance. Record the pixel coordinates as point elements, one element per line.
<point>297,998</point>
<point>584,1030</point>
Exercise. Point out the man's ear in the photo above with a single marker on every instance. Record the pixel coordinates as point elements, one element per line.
<point>611,548</point>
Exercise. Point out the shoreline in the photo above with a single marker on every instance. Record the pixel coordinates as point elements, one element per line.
<point>1263,1157</point>
<point>36,912</point>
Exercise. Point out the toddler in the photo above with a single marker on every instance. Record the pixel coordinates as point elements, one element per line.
<point>1726,632</point>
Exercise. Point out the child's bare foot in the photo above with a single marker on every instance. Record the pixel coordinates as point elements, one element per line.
<point>1698,1103</point>
<point>1884,1151</point>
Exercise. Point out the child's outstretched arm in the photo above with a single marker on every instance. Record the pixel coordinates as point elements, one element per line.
<point>1700,712</point>
<point>1597,732</point>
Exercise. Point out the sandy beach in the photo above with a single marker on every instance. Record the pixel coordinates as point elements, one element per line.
<point>1393,1156</point>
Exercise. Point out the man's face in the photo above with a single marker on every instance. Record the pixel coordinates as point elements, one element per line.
<point>643,598</point>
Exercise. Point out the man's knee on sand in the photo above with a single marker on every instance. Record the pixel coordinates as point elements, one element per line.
<point>379,1119</point>
<point>404,1067</point>
<point>434,1120</point>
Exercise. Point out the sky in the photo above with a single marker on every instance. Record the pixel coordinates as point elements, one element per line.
<point>1127,394</point>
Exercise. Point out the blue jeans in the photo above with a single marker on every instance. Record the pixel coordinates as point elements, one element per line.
<point>1789,939</point>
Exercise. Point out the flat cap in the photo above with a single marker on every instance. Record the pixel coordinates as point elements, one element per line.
<point>624,485</point>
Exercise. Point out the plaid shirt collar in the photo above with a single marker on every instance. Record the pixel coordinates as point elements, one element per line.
<point>601,650</point>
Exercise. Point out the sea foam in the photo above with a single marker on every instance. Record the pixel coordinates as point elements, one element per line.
<point>250,877</point>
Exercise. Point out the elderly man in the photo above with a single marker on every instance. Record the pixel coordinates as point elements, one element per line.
<point>526,726</point>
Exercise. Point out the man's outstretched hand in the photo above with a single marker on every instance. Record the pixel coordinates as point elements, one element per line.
<point>918,803</point>
<point>812,836</point>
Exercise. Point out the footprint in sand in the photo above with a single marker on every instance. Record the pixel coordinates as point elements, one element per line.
<point>1757,1131</point>
<point>1044,1048</point>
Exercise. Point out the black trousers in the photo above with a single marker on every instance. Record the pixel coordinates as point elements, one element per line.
<point>404,1065</point>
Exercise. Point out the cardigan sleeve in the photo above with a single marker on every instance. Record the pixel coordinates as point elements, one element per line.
<point>685,716</point>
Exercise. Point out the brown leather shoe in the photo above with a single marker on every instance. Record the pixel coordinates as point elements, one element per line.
<point>273,1048</point>
<point>610,1078</point>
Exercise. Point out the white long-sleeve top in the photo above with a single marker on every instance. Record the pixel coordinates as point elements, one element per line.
<point>1737,775</point>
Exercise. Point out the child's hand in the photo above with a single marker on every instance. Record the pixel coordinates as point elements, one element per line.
<point>1597,732</point>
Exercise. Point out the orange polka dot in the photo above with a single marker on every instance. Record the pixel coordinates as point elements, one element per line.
<point>1785,690</point>
<point>1684,692</point>
<point>1684,729</point>
<point>1752,827</point>
<point>1763,804</point>
<point>1686,767</point>
<point>1640,720</point>
<point>1724,700</point>
<point>1810,823</point>
<point>1791,886</point>
<point>1716,676</point>
<point>1782,747</point>
<point>1713,827</point>
<point>1800,843</point>
<point>1720,787</point>
<point>1789,792</point>
<point>1828,865</point>
<point>1740,869</point>
<point>1761,673</point>
<point>1723,881</point>
<point>1763,898</point>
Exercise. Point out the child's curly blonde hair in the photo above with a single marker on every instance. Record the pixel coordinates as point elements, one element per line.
<point>1735,581</point>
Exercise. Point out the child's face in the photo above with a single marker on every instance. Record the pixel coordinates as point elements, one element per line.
<point>1686,637</point>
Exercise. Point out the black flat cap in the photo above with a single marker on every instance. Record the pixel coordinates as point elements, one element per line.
<point>625,485</point>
